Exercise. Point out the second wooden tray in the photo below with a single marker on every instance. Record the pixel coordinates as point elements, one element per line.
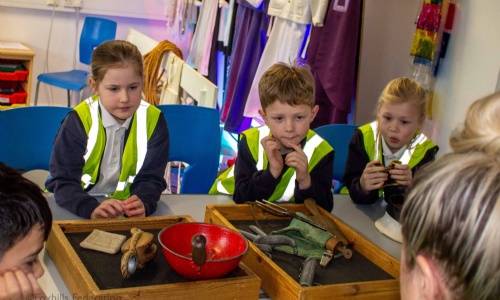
<point>278,284</point>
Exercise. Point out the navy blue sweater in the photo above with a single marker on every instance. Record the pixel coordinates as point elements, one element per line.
<point>357,158</point>
<point>66,167</point>
<point>251,184</point>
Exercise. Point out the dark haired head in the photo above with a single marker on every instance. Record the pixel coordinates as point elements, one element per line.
<point>22,206</point>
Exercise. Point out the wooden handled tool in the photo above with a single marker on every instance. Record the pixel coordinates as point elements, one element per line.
<point>336,243</point>
<point>281,211</point>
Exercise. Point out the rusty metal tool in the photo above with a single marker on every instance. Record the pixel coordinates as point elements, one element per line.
<point>281,211</point>
<point>307,272</point>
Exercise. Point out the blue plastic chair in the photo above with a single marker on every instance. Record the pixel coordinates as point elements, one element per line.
<point>27,135</point>
<point>195,138</point>
<point>338,136</point>
<point>95,31</point>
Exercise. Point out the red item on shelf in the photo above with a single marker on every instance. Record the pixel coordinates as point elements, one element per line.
<point>17,96</point>
<point>450,16</point>
<point>18,75</point>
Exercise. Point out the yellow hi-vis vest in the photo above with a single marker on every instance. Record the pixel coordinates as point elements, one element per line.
<point>315,149</point>
<point>411,156</point>
<point>134,152</point>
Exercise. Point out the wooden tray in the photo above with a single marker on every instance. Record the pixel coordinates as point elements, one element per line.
<point>278,284</point>
<point>244,284</point>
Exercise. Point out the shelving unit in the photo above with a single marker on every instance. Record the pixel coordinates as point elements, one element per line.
<point>14,51</point>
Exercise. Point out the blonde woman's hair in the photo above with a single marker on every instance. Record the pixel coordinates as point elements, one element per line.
<point>481,129</point>
<point>452,215</point>
<point>288,84</point>
<point>404,90</point>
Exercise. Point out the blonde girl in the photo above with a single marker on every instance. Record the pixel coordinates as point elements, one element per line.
<point>394,136</point>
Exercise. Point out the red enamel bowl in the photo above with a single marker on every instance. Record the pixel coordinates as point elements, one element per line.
<point>224,249</point>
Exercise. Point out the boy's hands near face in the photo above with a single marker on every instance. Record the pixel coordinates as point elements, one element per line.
<point>17,284</point>
<point>272,148</point>
<point>298,160</point>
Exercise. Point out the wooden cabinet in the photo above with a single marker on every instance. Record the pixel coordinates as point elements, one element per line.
<point>12,52</point>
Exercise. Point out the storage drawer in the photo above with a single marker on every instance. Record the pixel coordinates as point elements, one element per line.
<point>17,75</point>
<point>12,92</point>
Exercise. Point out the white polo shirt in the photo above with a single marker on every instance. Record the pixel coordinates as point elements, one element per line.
<point>389,156</point>
<point>109,172</point>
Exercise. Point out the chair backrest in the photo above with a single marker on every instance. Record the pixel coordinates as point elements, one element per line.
<point>338,136</point>
<point>95,31</point>
<point>195,139</point>
<point>27,135</point>
<point>143,42</point>
<point>199,87</point>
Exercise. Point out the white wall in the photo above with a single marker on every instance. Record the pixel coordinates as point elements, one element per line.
<point>32,27</point>
<point>469,71</point>
<point>471,67</point>
<point>385,46</point>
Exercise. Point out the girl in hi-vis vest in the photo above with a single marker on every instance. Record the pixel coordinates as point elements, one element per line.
<point>384,155</point>
<point>111,151</point>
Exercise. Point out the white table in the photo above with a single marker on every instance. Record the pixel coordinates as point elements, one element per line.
<point>359,217</point>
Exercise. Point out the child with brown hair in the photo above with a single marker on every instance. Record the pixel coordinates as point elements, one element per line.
<point>394,136</point>
<point>284,160</point>
<point>113,145</point>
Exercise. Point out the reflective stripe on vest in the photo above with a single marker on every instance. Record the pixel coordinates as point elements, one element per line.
<point>419,139</point>
<point>263,132</point>
<point>94,129</point>
<point>309,147</point>
<point>372,140</point>
<point>286,193</point>
<point>88,112</point>
<point>96,141</point>
<point>220,187</point>
<point>142,145</point>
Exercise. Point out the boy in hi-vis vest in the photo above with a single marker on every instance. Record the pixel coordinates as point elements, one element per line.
<point>283,160</point>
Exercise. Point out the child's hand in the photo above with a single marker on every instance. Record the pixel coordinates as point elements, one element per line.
<point>108,209</point>
<point>298,160</point>
<point>16,284</point>
<point>373,176</point>
<point>134,207</point>
<point>402,174</point>
<point>272,148</point>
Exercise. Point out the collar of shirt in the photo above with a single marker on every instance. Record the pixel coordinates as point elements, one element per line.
<point>388,155</point>
<point>109,121</point>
